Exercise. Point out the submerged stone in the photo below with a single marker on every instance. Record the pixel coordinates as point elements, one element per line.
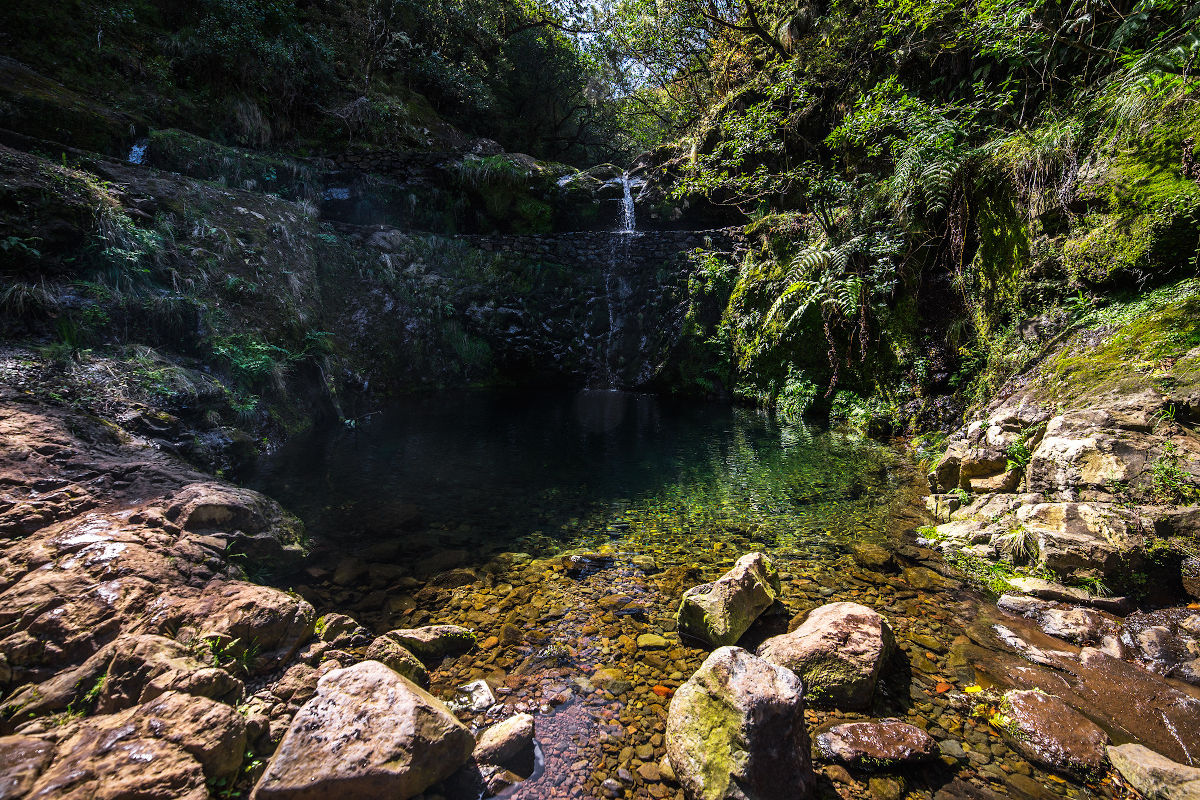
<point>876,745</point>
<point>1049,732</point>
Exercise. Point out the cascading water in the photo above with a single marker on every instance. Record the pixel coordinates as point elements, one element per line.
<point>617,289</point>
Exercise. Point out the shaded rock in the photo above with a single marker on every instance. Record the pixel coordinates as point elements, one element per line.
<point>876,745</point>
<point>581,565</point>
<point>386,650</point>
<point>1166,641</point>
<point>1049,732</point>
<point>22,759</point>
<point>1155,776</point>
<point>341,631</point>
<point>367,733</point>
<point>736,729</point>
<point>874,557</point>
<point>508,744</point>
<point>839,651</point>
<point>718,613</point>
<point>434,642</point>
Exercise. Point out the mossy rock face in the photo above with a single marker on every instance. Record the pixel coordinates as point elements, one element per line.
<point>36,106</point>
<point>736,729</point>
<point>1145,249</point>
<point>1143,219</point>
<point>720,612</point>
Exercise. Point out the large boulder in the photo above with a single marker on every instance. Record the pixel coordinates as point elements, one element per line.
<point>736,729</point>
<point>876,745</point>
<point>838,651</point>
<point>1154,775</point>
<point>1082,539</point>
<point>368,733</point>
<point>1049,732</point>
<point>720,612</point>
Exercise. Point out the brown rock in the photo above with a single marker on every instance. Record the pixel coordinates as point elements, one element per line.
<point>22,759</point>
<point>368,733</point>
<point>876,745</point>
<point>1049,732</point>
<point>838,651</point>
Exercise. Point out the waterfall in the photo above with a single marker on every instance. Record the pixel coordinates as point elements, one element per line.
<point>617,288</point>
<point>628,215</point>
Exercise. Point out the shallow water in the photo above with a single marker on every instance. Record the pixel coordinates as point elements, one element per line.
<point>458,509</point>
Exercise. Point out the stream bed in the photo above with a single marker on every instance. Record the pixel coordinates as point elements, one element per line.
<point>465,508</point>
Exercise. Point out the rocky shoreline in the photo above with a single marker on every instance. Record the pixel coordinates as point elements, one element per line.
<point>139,660</point>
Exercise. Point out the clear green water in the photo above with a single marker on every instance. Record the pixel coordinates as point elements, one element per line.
<point>537,473</point>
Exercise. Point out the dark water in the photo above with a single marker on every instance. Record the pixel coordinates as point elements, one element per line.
<point>539,472</point>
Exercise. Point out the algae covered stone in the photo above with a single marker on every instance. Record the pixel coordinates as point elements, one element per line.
<point>720,612</point>
<point>839,651</point>
<point>735,731</point>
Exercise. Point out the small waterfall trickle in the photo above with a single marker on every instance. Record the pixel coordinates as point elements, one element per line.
<point>617,288</point>
<point>628,212</point>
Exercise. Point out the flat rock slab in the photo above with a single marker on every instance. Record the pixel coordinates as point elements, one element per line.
<point>876,745</point>
<point>1123,698</point>
<point>368,733</point>
<point>1049,732</point>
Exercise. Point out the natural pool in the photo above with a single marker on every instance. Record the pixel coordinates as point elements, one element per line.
<point>459,508</point>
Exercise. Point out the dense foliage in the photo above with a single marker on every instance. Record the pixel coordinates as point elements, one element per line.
<point>925,180</point>
<point>326,73</point>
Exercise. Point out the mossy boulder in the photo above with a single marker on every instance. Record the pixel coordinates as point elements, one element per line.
<point>736,729</point>
<point>839,651</point>
<point>720,612</point>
